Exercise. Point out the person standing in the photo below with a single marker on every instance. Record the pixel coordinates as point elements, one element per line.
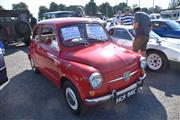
<point>127,18</point>
<point>33,22</point>
<point>118,18</point>
<point>142,27</point>
<point>79,12</point>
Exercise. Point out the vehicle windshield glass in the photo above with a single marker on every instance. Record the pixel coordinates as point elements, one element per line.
<point>153,35</point>
<point>174,25</point>
<point>132,31</point>
<point>83,33</point>
<point>64,14</point>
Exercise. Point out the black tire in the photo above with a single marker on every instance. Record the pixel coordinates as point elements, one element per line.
<point>23,28</point>
<point>33,65</point>
<point>78,108</point>
<point>156,61</point>
<point>27,41</point>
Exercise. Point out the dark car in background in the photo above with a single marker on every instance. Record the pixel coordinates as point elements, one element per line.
<point>15,26</point>
<point>3,73</point>
<point>166,28</point>
<point>58,14</point>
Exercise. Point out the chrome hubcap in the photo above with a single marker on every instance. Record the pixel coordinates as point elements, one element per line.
<point>71,98</point>
<point>154,61</point>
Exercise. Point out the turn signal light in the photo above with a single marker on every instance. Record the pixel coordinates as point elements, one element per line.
<point>92,93</point>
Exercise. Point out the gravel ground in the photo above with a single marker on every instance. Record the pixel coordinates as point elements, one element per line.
<point>31,96</point>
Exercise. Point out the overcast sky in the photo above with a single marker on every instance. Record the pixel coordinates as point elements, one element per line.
<point>34,4</point>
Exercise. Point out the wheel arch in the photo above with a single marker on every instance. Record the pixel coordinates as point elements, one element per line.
<point>64,79</point>
<point>165,61</point>
<point>150,50</point>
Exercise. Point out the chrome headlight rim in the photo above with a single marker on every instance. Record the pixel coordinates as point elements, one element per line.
<point>92,79</point>
<point>143,62</point>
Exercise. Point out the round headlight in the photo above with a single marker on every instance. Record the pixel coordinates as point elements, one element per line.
<point>143,62</point>
<point>95,80</point>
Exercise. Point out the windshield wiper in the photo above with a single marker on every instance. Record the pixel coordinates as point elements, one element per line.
<point>77,41</point>
<point>95,39</point>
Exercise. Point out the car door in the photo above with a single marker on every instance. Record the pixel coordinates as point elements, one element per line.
<point>123,38</point>
<point>51,52</point>
<point>36,47</point>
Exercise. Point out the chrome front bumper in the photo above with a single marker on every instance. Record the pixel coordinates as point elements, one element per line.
<point>138,84</point>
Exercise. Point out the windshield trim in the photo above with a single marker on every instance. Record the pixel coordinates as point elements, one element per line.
<point>75,23</point>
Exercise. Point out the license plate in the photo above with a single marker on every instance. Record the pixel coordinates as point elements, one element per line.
<point>126,95</point>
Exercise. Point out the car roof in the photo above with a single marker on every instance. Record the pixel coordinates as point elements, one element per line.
<point>123,26</point>
<point>66,20</point>
<point>59,12</point>
<point>161,20</point>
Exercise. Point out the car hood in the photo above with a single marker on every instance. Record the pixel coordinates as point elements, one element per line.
<point>106,57</point>
<point>168,42</point>
<point>172,42</point>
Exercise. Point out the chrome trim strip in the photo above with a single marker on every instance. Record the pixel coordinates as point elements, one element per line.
<point>3,85</point>
<point>2,68</point>
<point>107,97</point>
<point>104,98</point>
<point>121,78</point>
<point>143,77</point>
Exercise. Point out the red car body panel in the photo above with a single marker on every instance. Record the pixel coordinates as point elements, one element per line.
<point>77,63</point>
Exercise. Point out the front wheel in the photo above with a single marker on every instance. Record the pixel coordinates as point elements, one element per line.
<point>156,61</point>
<point>73,100</point>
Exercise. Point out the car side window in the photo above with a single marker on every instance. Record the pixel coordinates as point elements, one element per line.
<point>155,25</point>
<point>111,32</point>
<point>163,25</point>
<point>36,34</point>
<point>122,34</point>
<point>48,37</point>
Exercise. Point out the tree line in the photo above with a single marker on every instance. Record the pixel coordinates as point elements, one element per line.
<point>91,8</point>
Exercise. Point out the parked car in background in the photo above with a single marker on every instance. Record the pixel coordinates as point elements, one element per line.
<point>159,50</point>
<point>15,26</point>
<point>178,21</point>
<point>78,55</point>
<point>166,28</point>
<point>58,14</point>
<point>3,74</point>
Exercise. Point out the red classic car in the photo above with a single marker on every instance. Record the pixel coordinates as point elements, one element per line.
<point>78,55</point>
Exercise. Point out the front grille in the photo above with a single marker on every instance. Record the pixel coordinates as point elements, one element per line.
<point>121,78</point>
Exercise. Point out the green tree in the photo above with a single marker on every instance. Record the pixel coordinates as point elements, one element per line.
<point>53,7</point>
<point>20,6</point>
<point>62,7</point>
<point>145,10</point>
<point>156,9</point>
<point>72,7</point>
<point>91,8</point>
<point>42,10</point>
<point>1,7</point>
<point>106,9</point>
<point>120,6</point>
<point>174,3</point>
<point>134,6</point>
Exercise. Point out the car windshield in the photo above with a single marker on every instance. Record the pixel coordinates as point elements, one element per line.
<point>64,14</point>
<point>153,35</point>
<point>132,31</point>
<point>174,25</point>
<point>83,33</point>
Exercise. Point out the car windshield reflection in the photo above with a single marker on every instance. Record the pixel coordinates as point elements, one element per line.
<point>83,34</point>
